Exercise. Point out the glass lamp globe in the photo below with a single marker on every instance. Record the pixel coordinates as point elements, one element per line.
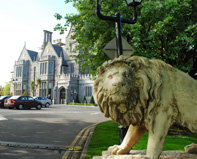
<point>133,3</point>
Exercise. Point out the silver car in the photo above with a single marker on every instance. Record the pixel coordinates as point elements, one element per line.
<point>45,101</point>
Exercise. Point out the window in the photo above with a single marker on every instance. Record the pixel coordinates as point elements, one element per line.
<point>30,98</point>
<point>43,68</point>
<point>43,89</point>
<point>38,98</point>
<point>23,98</point>
<point>18,71</point>
<point>40,68</point>
<point>34,73</point>
<point>24,86</point>
<point>50,67</point>
<point>88,91</point>
<point>72,68</point>
<point>25,71</point>
<point>50,85</point>
<point>18,89</point>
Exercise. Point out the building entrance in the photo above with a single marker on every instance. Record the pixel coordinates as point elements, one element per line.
<point>63,96</point>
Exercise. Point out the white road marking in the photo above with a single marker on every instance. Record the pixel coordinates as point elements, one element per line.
<point>95,113</point>
<point>2,118</point>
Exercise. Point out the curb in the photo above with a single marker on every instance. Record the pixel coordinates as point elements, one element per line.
<point>91,106</point>
<point>83,155</point>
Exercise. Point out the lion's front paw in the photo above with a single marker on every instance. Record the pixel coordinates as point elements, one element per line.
<point>117,150</point>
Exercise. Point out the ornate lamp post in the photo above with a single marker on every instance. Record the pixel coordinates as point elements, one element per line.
<point>120,20</point>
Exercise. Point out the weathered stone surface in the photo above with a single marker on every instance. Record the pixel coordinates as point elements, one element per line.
<point>147,95</point>
<point>191,148</point>
<point>140,154</point>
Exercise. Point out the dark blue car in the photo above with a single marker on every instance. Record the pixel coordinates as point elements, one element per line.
<point>2,98</point>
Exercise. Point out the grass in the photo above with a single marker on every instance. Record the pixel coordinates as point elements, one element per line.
<point>82,104</point>
<point>107,134</point>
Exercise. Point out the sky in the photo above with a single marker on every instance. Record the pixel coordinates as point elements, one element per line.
<point>22,22</point>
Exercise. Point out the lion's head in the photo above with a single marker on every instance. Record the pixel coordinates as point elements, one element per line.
<point>126,85</point>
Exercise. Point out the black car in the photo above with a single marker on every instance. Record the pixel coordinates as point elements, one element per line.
<point>2,98</point>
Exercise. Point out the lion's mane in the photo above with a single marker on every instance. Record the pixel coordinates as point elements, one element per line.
<point>139,83</point>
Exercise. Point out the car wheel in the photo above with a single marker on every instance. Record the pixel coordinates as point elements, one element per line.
<point>47,105</point>
<point>20,107</point>
<point>38,107</point>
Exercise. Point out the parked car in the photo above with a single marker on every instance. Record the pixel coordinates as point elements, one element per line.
<point>22,102</point>
<point>45,101</point>
<point>2,98</point>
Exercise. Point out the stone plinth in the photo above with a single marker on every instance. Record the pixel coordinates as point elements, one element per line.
<point>140,154</point>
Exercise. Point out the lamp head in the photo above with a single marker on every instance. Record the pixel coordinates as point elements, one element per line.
<point>133,3</point>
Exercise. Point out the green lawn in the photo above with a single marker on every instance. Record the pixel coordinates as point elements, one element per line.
<point>107,134</point>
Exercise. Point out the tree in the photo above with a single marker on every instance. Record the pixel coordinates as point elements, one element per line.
<point>39,81</point>
<point>33,87</point>
<point>6,89</point>
<point>166,30</point>
<point>26,93</point>
<point>1,90</point>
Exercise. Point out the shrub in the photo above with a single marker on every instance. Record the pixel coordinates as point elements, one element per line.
<point>92,100</point>
<point>77,99</point>
<point>84,100</point>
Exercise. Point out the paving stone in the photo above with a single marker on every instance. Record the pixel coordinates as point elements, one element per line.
<point>140,154</point>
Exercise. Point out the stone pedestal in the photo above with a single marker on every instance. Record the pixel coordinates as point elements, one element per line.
<point>140,154</point>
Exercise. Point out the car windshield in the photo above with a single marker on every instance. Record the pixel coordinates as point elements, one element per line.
<point>14,97</point>
<point>2,97</point>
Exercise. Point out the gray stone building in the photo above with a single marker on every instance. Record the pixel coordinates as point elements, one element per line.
<point>60,76</point>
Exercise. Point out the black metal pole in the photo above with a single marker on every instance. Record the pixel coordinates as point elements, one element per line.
<point>114,19</point>
<point>118,21</point>
<point>119,34</point>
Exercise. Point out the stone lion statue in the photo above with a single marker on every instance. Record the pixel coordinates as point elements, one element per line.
<point>146,95</point>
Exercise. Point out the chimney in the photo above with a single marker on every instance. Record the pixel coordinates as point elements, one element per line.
<point>47,37</point>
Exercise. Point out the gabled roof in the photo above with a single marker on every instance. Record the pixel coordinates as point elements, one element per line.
<point>58,50</point>
<point>33,55</point>
<point>60,53</point>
